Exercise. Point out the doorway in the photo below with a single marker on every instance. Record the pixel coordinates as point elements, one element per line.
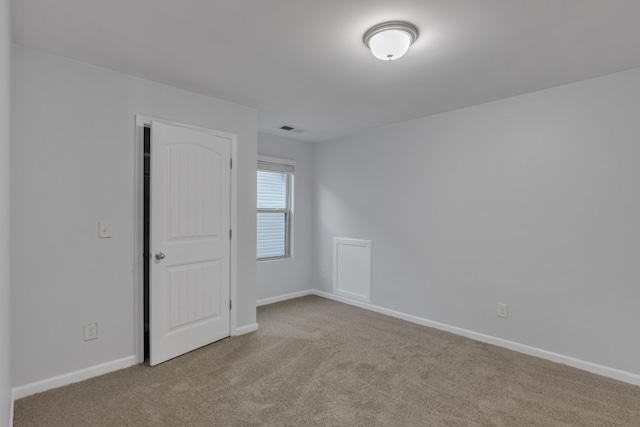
<point>185,238</point>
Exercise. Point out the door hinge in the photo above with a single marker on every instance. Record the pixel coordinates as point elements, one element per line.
<point>230,163</point>
<point>229,234</point>
<point>230,305</point>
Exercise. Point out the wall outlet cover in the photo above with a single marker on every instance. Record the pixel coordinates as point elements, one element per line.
<point>90,331</point>
<point>503,310</point>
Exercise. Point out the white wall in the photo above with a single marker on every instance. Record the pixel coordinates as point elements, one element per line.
<point>533,201</point>
<point>72,166</point>
<point>282,277</point>
<point>5,306</point>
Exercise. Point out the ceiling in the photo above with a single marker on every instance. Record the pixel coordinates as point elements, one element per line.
<point>302,63</point>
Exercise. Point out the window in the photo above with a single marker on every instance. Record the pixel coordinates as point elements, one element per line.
<point>275,179</point>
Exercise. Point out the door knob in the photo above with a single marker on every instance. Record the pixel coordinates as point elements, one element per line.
<point>159,256</point>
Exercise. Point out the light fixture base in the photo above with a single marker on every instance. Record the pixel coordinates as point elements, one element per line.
<point>404,26</point>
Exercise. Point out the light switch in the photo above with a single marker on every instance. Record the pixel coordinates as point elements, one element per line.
<point>105,229</point>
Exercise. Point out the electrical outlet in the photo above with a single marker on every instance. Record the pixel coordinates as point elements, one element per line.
<point>90,331</point>
<point>503,310</point>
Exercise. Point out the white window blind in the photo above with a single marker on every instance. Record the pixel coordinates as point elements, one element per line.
<point>274,210</point>
<point>264,165</point>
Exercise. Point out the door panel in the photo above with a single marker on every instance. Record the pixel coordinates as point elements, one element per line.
<point>193,297</point>
<point>193,192</point>
<point>189,240</point>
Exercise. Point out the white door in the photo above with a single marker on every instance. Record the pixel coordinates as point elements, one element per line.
<point>189,240</point>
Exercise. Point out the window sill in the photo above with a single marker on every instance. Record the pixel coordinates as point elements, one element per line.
<point>280,258</point>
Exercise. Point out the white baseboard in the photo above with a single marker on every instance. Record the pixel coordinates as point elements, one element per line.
<point>93,371</point>
<point>72,377</point>
<point>83,374</point>
<point>273,300</point>
<point>245,329</point>
<point>605,371</point>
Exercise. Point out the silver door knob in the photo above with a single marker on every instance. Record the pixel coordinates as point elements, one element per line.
<point>159,256</point>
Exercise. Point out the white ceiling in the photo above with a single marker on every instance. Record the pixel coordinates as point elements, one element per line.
<point>302,62</point>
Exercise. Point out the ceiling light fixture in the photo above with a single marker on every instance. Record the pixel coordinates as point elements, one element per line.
<point>390,40</point>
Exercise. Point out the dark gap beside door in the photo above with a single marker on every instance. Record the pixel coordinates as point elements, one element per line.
<point>145,252</point>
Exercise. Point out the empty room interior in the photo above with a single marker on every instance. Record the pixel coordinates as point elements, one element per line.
<point>286,212</point>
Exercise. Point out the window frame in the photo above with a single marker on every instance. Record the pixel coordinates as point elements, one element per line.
<point>286,166</point>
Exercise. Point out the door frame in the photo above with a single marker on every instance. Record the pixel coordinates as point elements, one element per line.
<point>138,228</point>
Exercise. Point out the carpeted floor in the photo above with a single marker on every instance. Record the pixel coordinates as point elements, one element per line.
<point>319,362</point>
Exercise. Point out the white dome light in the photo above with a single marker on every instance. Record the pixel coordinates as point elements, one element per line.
<point>390,40</point>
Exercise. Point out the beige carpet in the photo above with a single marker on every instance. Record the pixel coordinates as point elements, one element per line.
<point>319,362</point>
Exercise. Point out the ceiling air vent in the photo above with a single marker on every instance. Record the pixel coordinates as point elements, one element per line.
<point>292,129</point>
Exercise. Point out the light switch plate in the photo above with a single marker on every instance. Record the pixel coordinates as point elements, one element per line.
<point>105,229</point>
